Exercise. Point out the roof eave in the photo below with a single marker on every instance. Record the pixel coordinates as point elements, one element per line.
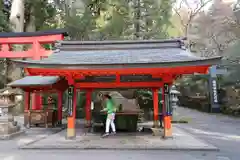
<point>203,62</point>
<point>18,84</point>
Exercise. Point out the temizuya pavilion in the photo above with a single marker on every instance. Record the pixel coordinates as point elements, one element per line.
<point>89,65</point>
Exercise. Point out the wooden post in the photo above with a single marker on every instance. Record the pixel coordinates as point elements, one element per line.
<point>155,108</point>
<point>60,101</point>
<point>88,107</point>
<point>166,116</point>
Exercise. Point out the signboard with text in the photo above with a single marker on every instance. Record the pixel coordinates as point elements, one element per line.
<point>167,99</point>
<point>70,101</point>
<point>213,88</point>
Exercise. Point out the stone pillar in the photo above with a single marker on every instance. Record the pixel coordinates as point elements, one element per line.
<point>155,108</point>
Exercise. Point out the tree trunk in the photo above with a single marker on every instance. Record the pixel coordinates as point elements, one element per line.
<point>17,21</point>
<point>17,15</point>
<point>137,16</point>
<point>30,25</point>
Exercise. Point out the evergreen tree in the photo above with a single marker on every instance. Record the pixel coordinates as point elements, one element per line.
<point>5,6</point>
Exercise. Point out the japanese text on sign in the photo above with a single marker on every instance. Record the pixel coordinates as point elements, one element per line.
<point>214,85</point>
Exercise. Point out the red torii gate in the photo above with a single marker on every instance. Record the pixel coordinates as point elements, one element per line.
<point>35,52</point>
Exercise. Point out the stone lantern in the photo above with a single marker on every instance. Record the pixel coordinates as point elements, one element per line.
<point>8,126</point>
<point>174,101</point>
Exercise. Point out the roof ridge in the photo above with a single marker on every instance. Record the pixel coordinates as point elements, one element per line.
<point>119,45</point>
<point>121,41</point>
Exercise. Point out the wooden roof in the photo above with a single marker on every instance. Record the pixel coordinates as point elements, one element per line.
<point>35,81</point>
<point>120,54</point>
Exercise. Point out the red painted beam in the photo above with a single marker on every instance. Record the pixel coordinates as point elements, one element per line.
<point>30,40</point>
<point>153,71</point>
<point>15,54</point>
<point>120,85</point>
<point>36,51</point>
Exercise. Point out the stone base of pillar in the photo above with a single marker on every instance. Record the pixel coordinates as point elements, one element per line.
<point>167,133</point>
<point>156,124</point>
<point>156,130</point>
<point>59,124</point>
<point>71,133</point>
<point>87,123</point>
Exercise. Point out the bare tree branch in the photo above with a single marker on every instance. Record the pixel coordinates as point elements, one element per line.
<point>191,13</point>
<point>202,5</point>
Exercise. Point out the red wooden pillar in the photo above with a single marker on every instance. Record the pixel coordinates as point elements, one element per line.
<point>166,118</point>
<point>163,103</point>
<point>155,108</point>
<point>27,101</point>
<point>74,102</point>
<point>36,101</point>
<point>71,129</point>
<point>88,106</point>
<point>37,98</point>
<point>60,101</point>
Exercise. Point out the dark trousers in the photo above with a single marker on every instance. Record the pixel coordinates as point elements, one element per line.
<point>161,120</point>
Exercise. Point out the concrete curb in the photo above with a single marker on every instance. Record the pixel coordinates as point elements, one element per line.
<point>180,121</point>
<point>115,148</point>
<point>13,135</point>
<point>38,139</point>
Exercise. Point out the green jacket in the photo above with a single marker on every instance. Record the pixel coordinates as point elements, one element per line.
<point>110,107</point>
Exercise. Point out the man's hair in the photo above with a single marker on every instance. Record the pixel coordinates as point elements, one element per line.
<point>107,96</point>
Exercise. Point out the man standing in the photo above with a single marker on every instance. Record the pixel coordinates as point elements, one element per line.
<point>111,110</point>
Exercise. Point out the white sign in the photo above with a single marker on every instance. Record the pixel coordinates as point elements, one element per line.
<point>215,95</point>
<point>92,105</point>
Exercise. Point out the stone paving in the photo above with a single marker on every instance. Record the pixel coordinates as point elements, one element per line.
<point>181,141</point>
<point>220,130</point>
